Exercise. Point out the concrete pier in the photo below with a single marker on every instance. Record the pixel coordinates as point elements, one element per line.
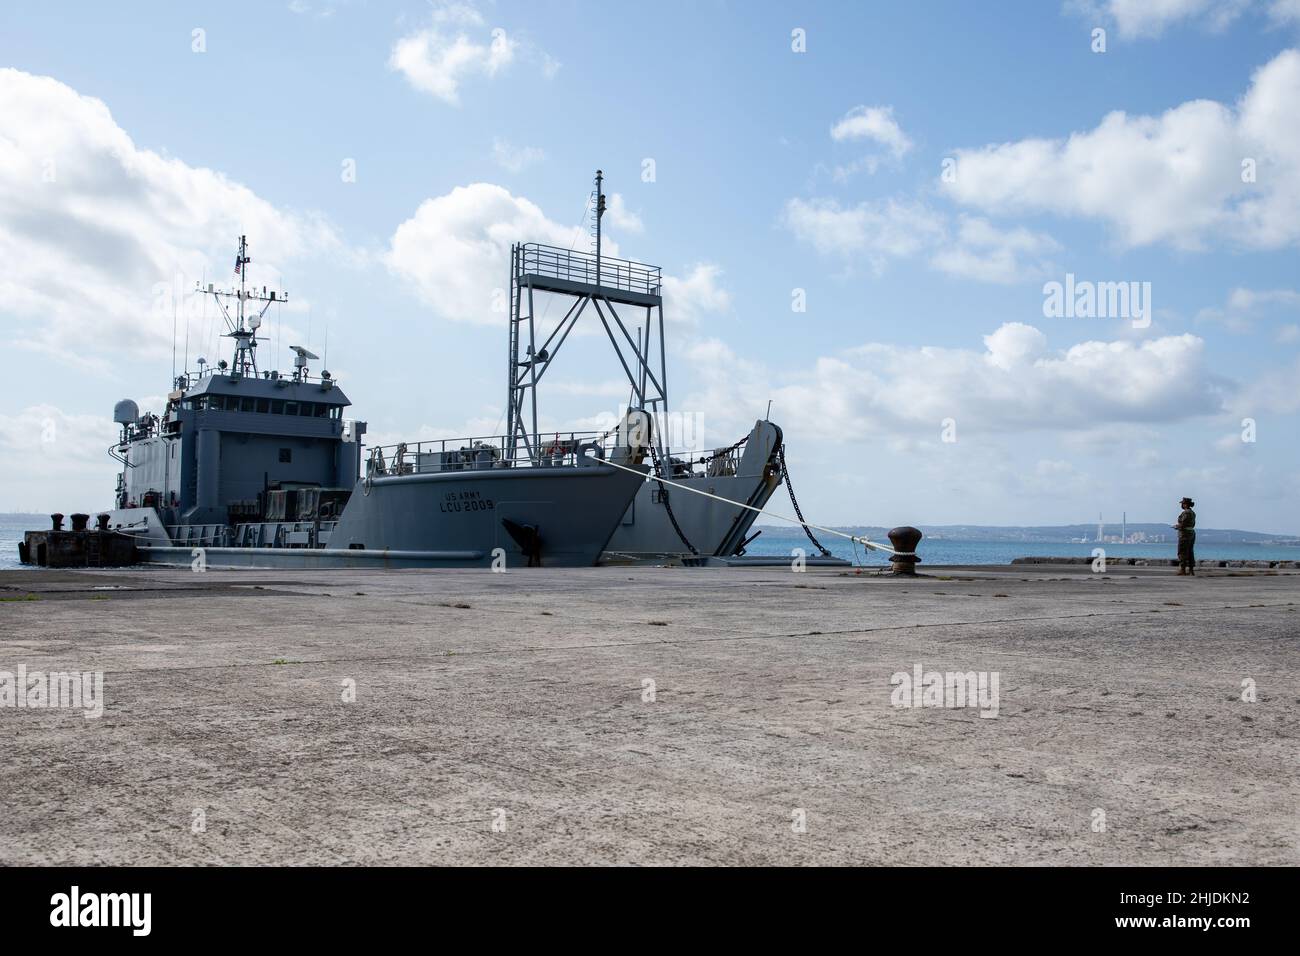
<point>651,715</point>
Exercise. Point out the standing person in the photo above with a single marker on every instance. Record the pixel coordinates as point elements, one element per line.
<point>1186,537</point>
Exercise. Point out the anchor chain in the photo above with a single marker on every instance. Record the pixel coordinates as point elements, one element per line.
<point>785,475</point>
<point>721,452</point>
<point>663,496</point>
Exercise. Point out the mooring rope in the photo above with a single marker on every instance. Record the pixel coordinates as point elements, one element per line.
<point>866,542</point>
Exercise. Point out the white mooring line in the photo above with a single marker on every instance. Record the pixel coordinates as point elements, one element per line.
<point>867,542</point>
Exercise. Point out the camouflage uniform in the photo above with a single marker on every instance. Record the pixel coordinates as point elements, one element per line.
<point>1186,540</point>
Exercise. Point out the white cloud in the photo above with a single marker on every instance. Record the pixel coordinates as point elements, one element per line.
<point>843,172</point>
<point>984,252</point>
<point>1273,392</point>
<point>488,423</point>
<point>455,249</point>
<point>1175,178</point>
<point>609,388</point>
<point>620,217</point>
<point>1146,19</point>
<point>324,9</point>
<point>875,231</point>
<point>733,393</point>
<point>45,432</point>
<point>1231,444</point>
<point>875,123</point>
<point>1284,11</point>
<point>1115,439</point>
<point>1247,299</point>
<point>1016,383</point>
<point>513,158</point>
<point>1245,306</point>
<point>1057,478</point>
<point>698,294</point>
<point>456,45</point>
<point>878,232</point>
<point>61,454</point>
<point>91,224</point>
<point>1149,18</point>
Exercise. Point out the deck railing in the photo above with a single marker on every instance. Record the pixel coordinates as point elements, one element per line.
<point>554,449</point>
<point>623,274</point>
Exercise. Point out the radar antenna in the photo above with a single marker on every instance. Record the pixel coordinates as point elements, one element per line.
<point>301,355</point>
<point>246,318</point>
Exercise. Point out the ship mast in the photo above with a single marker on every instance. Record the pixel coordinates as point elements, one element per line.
<point>598,211</point>
<point>245,320</point>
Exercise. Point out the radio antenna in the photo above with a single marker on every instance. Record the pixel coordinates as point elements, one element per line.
<point>174,291</point>
<point>244,318</point>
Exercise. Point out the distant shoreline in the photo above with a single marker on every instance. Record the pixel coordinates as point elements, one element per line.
<point>1138,533</point>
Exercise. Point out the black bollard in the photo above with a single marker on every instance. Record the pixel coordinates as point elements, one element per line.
<point>102,521</point>
<point>904,541</point>
<point>57,520</point>
<point>79,522</point>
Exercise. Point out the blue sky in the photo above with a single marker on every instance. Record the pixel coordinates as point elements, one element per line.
<point>775,170</point>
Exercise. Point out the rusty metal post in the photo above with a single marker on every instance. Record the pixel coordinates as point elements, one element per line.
<point>904,541</point>
<point>56,520</point>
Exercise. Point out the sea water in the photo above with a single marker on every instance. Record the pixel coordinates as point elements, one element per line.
<point>933,551</point>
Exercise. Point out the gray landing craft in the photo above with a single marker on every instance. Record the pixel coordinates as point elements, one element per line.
<point>624,299</point>
<point>260,469</point>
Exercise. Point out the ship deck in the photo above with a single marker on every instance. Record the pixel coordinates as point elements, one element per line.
<point>522,699</point>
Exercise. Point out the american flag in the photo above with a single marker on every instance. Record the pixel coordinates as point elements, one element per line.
<point>239,262</point>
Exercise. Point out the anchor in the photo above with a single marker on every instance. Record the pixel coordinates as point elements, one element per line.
<point>528,538</point>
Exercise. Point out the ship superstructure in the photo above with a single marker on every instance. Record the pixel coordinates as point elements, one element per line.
<point>236,446</point>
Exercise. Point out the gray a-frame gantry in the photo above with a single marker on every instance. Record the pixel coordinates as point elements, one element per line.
<point>588,279</point>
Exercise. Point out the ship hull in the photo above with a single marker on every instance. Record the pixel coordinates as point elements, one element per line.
<point>575,511</point>
<point>449,519</point>
<point>714,527</point>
